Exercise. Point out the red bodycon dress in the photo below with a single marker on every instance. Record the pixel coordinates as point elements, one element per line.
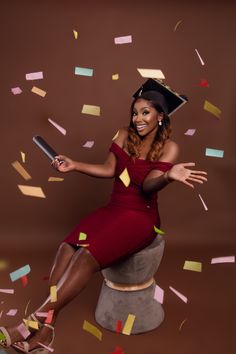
<point>126,224</point>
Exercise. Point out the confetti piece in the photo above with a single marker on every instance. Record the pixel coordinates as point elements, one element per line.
<point>23,330</point>
<point>214,152</point>
<point>7,291</point>
<point>92,329</point>
<point>49,317</point>
<point>26,307</point>
<point>31,324</point>
<point>38,91</point>
<point>2,337</point>
<point>17,274</point>
<point>83,245</point>
<point>20,169</point>
<point>53,293</point>
<point>118,326</point>
<point>115,77</point>
<point>83,71</point>
<point>228,259</point>
<point>203,203</point>
<point>41,314</point>
<point>22,156</point>
<point>115,136</point>
<point>75,34</point>
<point>57,126</point>
<point>88,144</point>
<point>24,280</point>
<point>203,83</point>
<point>82,236</point>
<point>177,25</point>
<point>32,191</point>
<point>125,178</point>
<point>11,312</point>
<point>16,90</point>
<point>159,294</point>
<point>194,266</point>
<point>128,324</point>
<point>209,107</point>
<point>181,296</point>
<point>151,73</point>
<point>118,350</point>
<point>34,76</point>
<point>158,231</point>
<point>202,62</point>
<point>3,264</point>
<point>190,132</point>
<point>90,109</point>
<point>123,39</point>
<point>55,179</point>
<point>50,349</point>
<point>182,323</point>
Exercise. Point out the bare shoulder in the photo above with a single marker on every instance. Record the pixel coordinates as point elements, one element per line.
<point>170,151</point>
<point>122,136</point>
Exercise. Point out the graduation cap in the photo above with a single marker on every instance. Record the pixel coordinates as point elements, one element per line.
<point>169,100</point>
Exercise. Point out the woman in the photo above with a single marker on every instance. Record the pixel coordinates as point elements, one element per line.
<point>145,154</point>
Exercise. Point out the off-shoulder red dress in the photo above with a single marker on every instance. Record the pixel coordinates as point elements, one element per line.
<point>126,224</point>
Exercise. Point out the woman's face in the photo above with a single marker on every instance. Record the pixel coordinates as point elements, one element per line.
<point>145,118</point>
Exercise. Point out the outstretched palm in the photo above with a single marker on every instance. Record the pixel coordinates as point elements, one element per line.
<point>181,173</point>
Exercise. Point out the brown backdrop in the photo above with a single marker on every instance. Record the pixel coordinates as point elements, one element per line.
<point>37,36</point>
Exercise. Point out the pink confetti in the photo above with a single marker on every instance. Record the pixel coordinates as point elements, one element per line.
<point>16,90</point>
<point>202,62</point>
<point>49,317</point>
<point>23,330</point>
<point>181,296</point>
<point>203,203</point>
<point>34,76</point>
<point>44,346</point>
<point>7,291</point>
<point>12,312</point>
<point>228,259</point>
<point>57,126</point>
<point>123,40</point>
<point>159,294</point>
<point>190,132</point>
<point>88,144</point>
<point>41,314</point>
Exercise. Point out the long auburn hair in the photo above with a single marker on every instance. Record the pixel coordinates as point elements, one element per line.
<point>162,134</point>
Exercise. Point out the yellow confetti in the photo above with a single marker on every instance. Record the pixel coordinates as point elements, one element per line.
<point>38,91</point>
<point>125,178</point>
<point>75,34</point>
<point>92,329</point>
<point>22,156</point>
<point>194,266</point>
<point>177,24</point>
<point>212,109</point>
<point>32,191</point>
<point>53,293</point>
<point>82,236</point>
<point>90,109</point>
<point>158,231</point>
<point>55,179</point>
<point>115,136</point>
<point>128,324</point>
<point>115,77</point>
<point>3,264</point>
<point>151,73</point>
<point>20,169</point>
<point>32,324</point>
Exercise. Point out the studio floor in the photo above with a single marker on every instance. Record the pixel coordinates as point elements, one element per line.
<point>205,324</point>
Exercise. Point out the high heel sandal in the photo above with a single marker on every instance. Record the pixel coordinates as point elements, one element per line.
<point>41,350</point>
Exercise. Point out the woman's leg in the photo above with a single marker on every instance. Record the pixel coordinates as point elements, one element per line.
<point>81,267</point>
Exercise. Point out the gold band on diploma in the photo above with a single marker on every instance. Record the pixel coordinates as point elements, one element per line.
<point>127,287</point>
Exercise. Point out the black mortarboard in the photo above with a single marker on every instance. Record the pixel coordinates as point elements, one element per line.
<point>168,99</point>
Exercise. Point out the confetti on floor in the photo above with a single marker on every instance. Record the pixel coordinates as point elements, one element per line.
<point>151,73</point>
<point>127,329</point>
<point>125,178</point>
<point>211,108</point>
<point>57,126</point>
<point>227,259</point>
<point>21,170</point>
<point>17,274</point>
<point>92,329</point>
<point>38,91</point>
<point>177,293</point>
<point>194,266</point>
<point>123,39</point>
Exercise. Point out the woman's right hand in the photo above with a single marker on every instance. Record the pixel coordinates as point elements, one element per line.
<point>63,164</point>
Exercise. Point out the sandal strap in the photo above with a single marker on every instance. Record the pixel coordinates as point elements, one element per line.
<point>24,349</point>
<point>7,337</point>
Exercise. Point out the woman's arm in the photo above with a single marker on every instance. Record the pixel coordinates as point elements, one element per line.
<point>157,180</point>
<point>105,170</point>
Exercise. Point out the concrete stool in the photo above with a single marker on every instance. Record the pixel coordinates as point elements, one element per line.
<point>128,288</point>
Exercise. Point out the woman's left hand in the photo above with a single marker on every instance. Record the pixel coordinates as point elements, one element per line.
<point>181,173</point>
